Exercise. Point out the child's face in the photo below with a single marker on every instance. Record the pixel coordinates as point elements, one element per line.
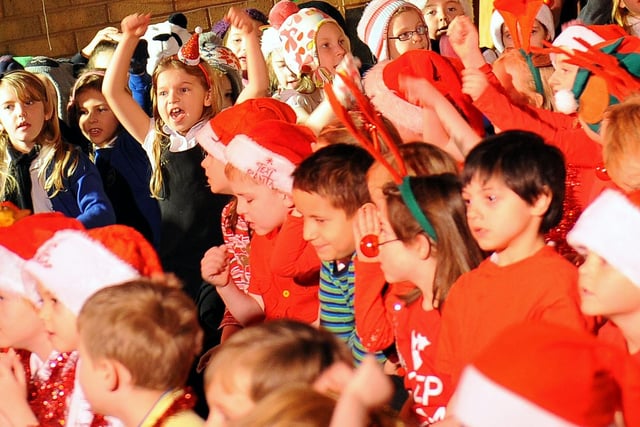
<point>217,180</point>
<point>331,46</point>
<point>397,260</point>
<point>264,209</point>
<point>59,321</point>
<point>633,6</point>
<point>538,35</point>
<point>407,22</point>
<point>564,74</point>
<point>236,41</point>
<point>439,13</point>
<point>19,322</point>
<point>377,177</point>
<point>91,380</point>
<point>498,218</point>
<point>604,291</point>
<point>327,228</point>
<point>96,120</point>
<point>226,89</point>
<point>23,121</point>
<point>181,99</point>
<point>227,405</point>
<point>287,79</point>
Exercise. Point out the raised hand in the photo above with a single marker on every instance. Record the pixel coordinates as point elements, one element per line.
<point>240,19</point>
<point>214,266</point>
<point>367,223</point>
<point>135,25</point>
<point>463,37</point>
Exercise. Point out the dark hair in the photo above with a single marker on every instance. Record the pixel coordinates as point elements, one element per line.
<point>338,173</point>
<point>526,164</point>
<point>328,9</point>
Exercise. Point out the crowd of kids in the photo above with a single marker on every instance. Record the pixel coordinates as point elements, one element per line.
<point>250,226</point>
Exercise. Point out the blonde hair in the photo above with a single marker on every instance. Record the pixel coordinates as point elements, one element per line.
<point>274,354</point>
<point>291,405</point>
<point>58,156</point>
<point>337,132</point>
<point>209,80</point>
<point>150,327</point>
<point>621,136</point>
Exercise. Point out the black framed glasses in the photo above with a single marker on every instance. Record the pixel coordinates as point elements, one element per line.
<point>420,30</point>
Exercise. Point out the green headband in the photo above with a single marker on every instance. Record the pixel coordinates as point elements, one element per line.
<point>535,72</point>
<point>410,200</point>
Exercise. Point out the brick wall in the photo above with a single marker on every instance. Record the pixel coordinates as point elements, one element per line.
<point>73,23</point>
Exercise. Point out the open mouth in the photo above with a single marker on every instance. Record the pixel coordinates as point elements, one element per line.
<point>95,132</point>
<point>176,113</point>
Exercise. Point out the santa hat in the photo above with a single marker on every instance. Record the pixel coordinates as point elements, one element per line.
<point>373,27</point>
<point>189,53</point>
<point>11,272</point>
<point>544,16</point>
<point>298,36</point>
<point>25,236</point>
<point>270,151</point>
<point>381,84</point>
<point>73,266</point>
<point>538,374</point>
<point>216,134</point>
<point>281,11</point>
<point>591,34</point>
<point>130,246</point>
<point>610,227</point>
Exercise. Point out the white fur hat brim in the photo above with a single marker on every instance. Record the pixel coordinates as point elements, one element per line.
<point>210,141</point>
<point>544,16</point>
<point>72,266</point>
<point>11,272</point>
<point>610,227</point>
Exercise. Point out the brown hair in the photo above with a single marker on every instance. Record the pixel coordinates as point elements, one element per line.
<point>56,154</point>
<point>439,198</point>
<point>336,132</point>
<point>274,354</point>
<point>209,81</point>
<point>150,327</point>
<point>621,136</point>
<point>337,173</point>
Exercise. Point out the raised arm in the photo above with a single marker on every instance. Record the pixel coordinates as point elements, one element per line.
<point>114,87</point>
<point>257,73</point>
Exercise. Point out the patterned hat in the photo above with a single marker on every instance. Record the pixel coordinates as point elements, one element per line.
<point>270,151</point>
<point>189,53</point>
<point>373,27</point>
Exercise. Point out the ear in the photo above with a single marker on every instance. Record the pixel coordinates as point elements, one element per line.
<point>423,245</point>
<point>208,97</point>
<point>541,205</point>
<point>287,200</point>
<point>119,376</point>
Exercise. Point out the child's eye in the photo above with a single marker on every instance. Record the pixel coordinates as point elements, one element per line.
<point>491,198</point>
<point>430,12</point>
<point>184,90</point>
<point>103,109</point>
<point>162,93</point>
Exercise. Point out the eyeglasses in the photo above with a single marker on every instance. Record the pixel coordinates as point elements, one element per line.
<point>408,35</point>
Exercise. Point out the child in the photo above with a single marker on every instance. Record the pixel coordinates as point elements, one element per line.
<point>121,161</point>
<point>264,358</point>
<point>621,151</point>
<point>184,94</point>
<point>391,28</point>
<point>543,29</point>
<point>627,14</point>
<point>137,342</point>
<point>39,171</point>
<point>513,186</point>
<point>422,249</point>
<point>609,278</point>
<point>438,14</point>
<point>328,189</point>
<point>259,168</point>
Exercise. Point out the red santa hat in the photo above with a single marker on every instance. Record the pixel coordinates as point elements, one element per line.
<point>189,53</point>
<point>538,374</point>
<point>73,266</point>
<point>11,272</point>
<point>25,236</point>
<point>382,85</point>
<point>221,129</point>
<point>610,227</point>
<point>270,151</point>
<point>281,11</point>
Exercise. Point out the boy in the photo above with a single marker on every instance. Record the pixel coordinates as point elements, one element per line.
<point>137,343</point>
<point>513,185</point>
<point>328,189</point>
<point>607,234</point>
<point>259,167</point>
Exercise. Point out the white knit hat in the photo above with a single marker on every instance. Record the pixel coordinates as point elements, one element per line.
<point>73,267</point>
<point>11,272</point>
<point>544,16</point>
<point>373,27</point>
<point>610,227</point>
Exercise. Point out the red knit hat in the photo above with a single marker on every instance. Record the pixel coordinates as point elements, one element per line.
<point>25,236</point>
<point>189,53</point>
<point>382,85</point>
<point>217,133</point>
<point>270,151</point>
<point>129,245</point>
<point>538,374</point>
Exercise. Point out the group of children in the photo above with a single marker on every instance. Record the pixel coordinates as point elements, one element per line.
<point>425,225</point>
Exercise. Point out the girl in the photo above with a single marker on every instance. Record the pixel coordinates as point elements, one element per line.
<point>391,28</point>
<point>626,13</point>
<point>38,171</point>
<point>421,253</point>
<point>121,161</point>
<point>184,96</point>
